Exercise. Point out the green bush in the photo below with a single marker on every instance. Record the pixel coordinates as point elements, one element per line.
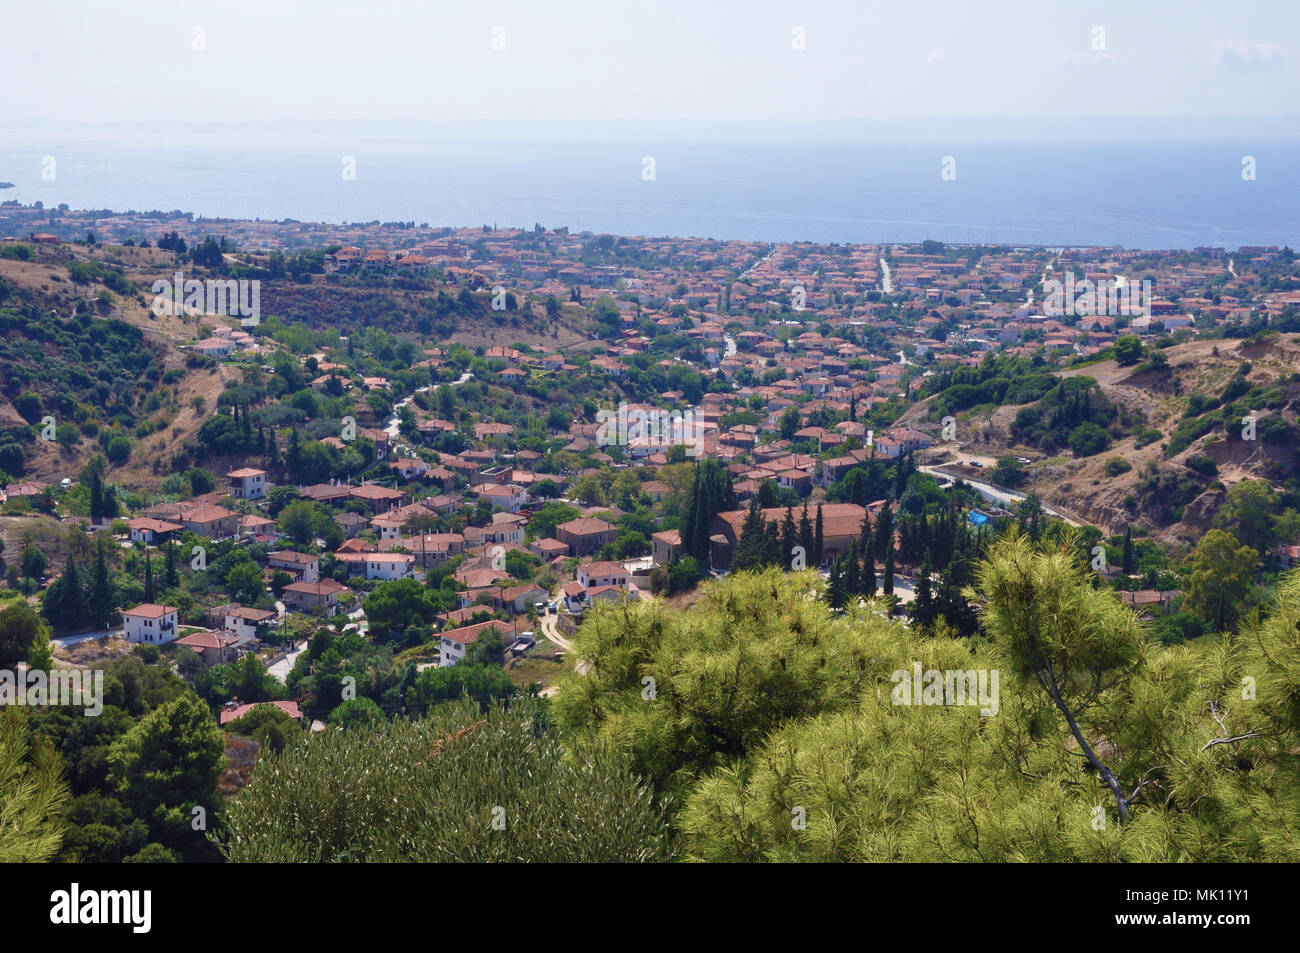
<point>456,786</point>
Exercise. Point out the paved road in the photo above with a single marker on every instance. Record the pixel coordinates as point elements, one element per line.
<point>996,494</point>
<point>67,640</point>
<point>281,669</point>
<point>886,279</point>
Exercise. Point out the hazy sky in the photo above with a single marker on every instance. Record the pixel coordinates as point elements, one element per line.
<point>118,60</point>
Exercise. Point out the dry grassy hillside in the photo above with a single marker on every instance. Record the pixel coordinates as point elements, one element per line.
<point>1161,397</point>
<point>45,280</point>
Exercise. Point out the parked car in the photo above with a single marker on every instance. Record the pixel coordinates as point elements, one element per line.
<point>550,607</point>
<point>540,607</point>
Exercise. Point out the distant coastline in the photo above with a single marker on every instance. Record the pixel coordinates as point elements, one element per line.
<point>1147,195</point>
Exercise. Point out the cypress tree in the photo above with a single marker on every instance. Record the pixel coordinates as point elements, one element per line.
<point>170,576</point>
<point>273,461</point>
<point>772,545</point>
<point>806,535</point>
<point>888,586</point>
<point>750,548</point>
<point>869,573</point>
<point>852,575</point>
<point>96,496</point>
<point>884,530</point>
<point>148,578</point>
<point>835,586</point>
<point>817,538</point>
<point>1130,557</point>
<point>789,538</point>
<point>101,593</point>
<point>922,611</point>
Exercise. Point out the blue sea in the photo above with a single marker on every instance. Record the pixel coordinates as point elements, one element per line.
<point>1175,194</point>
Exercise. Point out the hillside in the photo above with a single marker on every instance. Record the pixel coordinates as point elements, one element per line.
<point>1182,419</point>
<point>84,339</point>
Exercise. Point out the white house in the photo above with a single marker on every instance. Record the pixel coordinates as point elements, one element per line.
<point>509,497</point>
<point>247,483</point>
<point>591,575</point>
<point>454,642</point>
<point>304,567</point>
<point>575,597</point>
<point>150,623</point>
<point>145,530</point>
<point>243,622</point>
<point>388,565</point>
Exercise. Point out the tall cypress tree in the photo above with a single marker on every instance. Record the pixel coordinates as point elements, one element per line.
<point>170,577</point>
<point>1129,561</point>
<point>65,600</point>
<point>852,574</point>
<point>789,538</point>
<point>96,495</point>
<point>922,611</point>
<point>148,578</point>
<point>806,535</point>
<point>101,590</point>
<point>818,538</point>
<point>273,461</point>
<point>751,547</point>
<point>884,530</point>
<point>835,586</point>
<point>772,545</point>
<point>888,585</point>
<point>869,573</point>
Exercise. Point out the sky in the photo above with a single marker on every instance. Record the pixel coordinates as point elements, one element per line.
<point>259,60</point>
